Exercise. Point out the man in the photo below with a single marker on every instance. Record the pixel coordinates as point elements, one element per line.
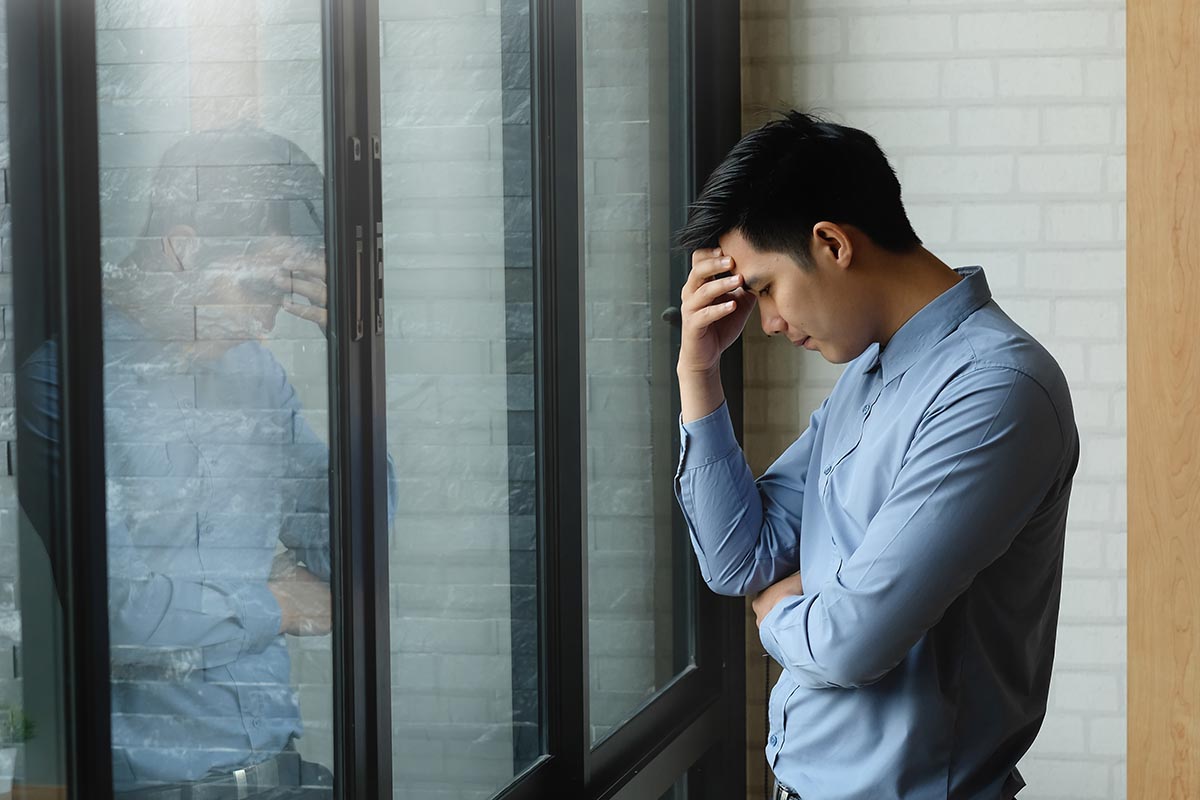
<point>905,553</point>
<point>217,485</point>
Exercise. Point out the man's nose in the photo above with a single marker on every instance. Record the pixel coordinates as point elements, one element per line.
<point>772,323</point>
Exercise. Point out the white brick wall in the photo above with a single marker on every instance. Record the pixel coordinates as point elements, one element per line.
<point>1006,124</point>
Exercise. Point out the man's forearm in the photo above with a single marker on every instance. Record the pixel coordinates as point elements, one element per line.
<point>700,393</point>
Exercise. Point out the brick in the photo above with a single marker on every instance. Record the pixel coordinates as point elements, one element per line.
<point>289,42</point>
<point>1106,736</point>
<point>1106,364</point>
<point>122,81</point>
<point>815,36</point>
<point>1093,406</point>
<point>1035,31</point>
<point>1090,503</point>
<point>1087,645</point>
<point>1039,77</point>
<point>1085,691</point>
<point>443,9</point>
<point>1063,734</point>
<point>898,129</point>
<point>1060,173</point>
<point>998,222</point>
<point>1115,169</point>
<point>968,79</point>
<point>1077,125</point>
<point>893,81</point>
<point>1088,319</point>
<point>1091,599</point>
<point>901,34</point>
<point>1076,271</point>
<point>140,46</point>
<point>956,174</point>
<point>1105,78</point>
<point>222,43</point>
<point>117,14</point>
<point>997,127</point>
<point>1081,222</point>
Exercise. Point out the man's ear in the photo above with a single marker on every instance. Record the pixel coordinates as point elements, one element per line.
<point>831,242</point>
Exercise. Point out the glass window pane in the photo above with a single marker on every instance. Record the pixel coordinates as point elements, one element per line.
<point>460,394</point>
<point>33,741</point>
<point>639,610</point>
<point>678,791</point>
<point>215,391</point>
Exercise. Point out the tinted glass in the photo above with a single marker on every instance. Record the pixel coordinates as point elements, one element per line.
<point>460,394</point>
<point>634,156</point>
<point>215,391</point>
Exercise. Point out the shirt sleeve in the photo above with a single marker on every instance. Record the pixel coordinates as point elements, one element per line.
<point>156,618</point>
<point>746,533</point>
<point>985,456</point>
<point>311,542</point>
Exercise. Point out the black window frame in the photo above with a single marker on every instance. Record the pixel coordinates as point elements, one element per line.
<point>695,725</point>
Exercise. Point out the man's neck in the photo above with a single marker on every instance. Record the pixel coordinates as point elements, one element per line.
<point>911,283</point>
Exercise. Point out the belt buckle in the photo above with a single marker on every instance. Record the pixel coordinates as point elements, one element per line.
<point>264,775</point>
<point>784,793</point>
<point>242,780</point>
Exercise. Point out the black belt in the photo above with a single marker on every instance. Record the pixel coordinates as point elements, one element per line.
<point>280,770</point>
<point>783,793</point>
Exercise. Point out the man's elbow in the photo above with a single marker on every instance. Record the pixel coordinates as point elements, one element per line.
<point>853,669</point>
<point>726,586</point>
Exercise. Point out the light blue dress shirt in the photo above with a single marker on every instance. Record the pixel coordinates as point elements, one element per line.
<point>211,467</point>
<point>925,508</point>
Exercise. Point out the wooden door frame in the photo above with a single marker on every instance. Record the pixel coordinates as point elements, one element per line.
<point>1163,295</point>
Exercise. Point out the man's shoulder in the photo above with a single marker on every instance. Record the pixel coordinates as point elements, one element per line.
<point>990,342</point>
<point>994,341</point>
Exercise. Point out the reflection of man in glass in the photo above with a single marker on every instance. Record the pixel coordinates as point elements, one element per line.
<point>217,484</point>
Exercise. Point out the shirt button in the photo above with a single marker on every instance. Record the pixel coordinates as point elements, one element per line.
<point>828,470</point>
<point>866,409</point>
<point>774,740</point>
<point>257,722</point>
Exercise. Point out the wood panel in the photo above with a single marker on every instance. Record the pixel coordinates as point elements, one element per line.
<point>1163,84</point>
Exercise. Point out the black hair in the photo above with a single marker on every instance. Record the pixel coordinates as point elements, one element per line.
<point>788,175</point>
<point>232,200</point>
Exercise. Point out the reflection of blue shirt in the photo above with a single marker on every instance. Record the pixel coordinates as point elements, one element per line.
<point>210,467</point>
<point>925,508</point>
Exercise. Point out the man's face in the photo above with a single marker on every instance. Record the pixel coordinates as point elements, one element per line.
<point>240,283</point>
<point>819,309</point>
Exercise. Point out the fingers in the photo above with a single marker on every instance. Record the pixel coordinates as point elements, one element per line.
<point>311,313</point>
<point>711,291</point>
<point>703,317</point>
<point>709,280</point>
<point>316,292</point>
<point>706,264</point>
<point>315,267</point>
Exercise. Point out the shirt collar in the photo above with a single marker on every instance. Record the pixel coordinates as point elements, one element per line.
<point>930,325</point>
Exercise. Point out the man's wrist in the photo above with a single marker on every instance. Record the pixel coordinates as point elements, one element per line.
<point>700,392</point>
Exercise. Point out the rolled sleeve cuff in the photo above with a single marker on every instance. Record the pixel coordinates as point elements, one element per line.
<point>789,619</point>
<point>705,440</point>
